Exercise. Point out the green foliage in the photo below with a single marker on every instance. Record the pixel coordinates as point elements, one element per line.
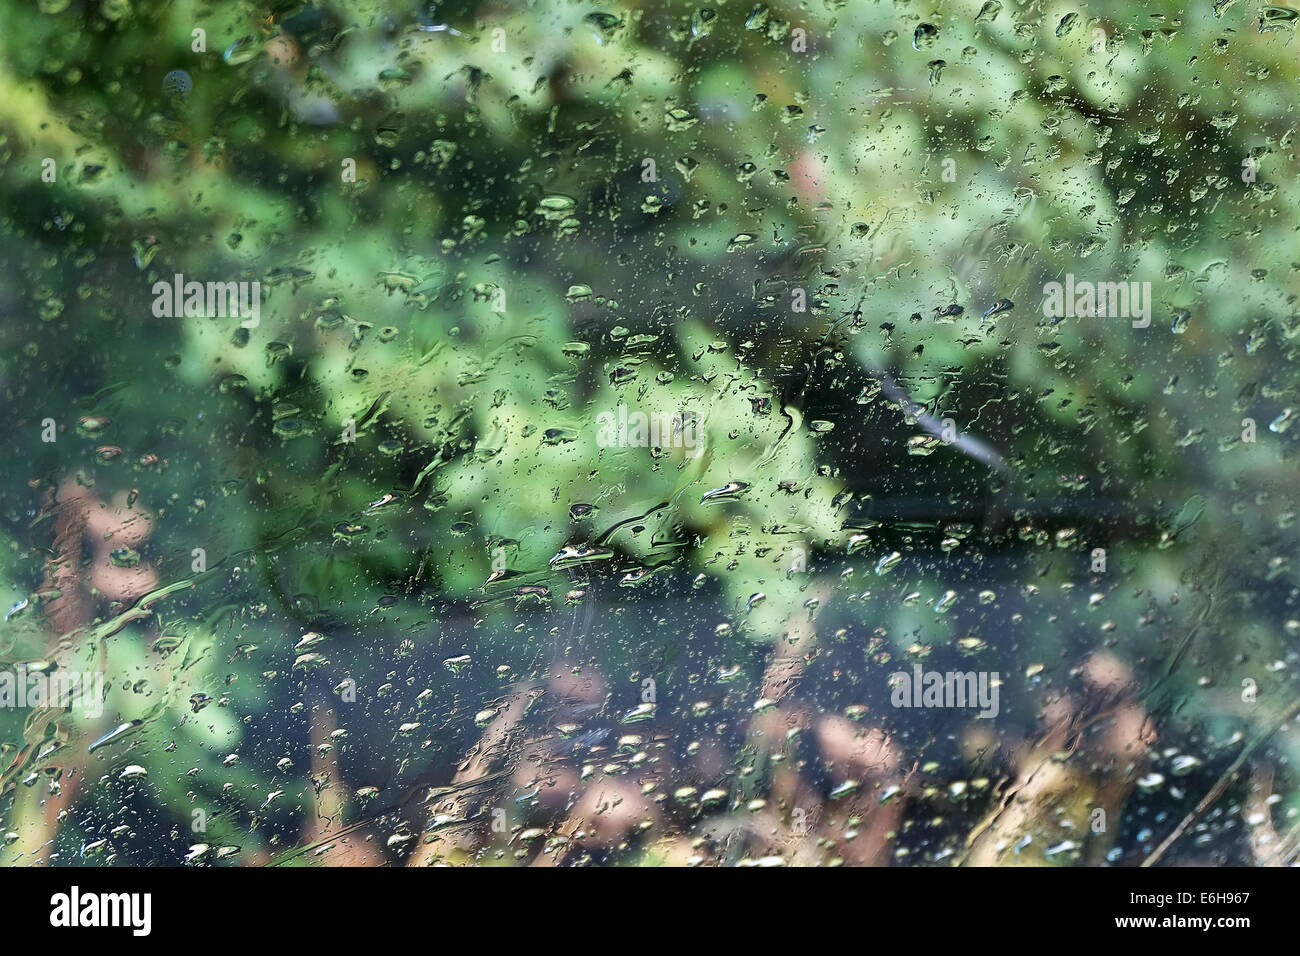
<point>439,334</point>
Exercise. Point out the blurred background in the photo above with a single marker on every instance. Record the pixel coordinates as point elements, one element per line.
<point>366,582</point>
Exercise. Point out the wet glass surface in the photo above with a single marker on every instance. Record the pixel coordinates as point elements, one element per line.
<point>603,433</point>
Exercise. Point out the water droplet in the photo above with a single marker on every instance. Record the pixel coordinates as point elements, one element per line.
<point>924,36</point>
<point>727,492</point>
<point>242,51</point>
<point>888,562</point>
